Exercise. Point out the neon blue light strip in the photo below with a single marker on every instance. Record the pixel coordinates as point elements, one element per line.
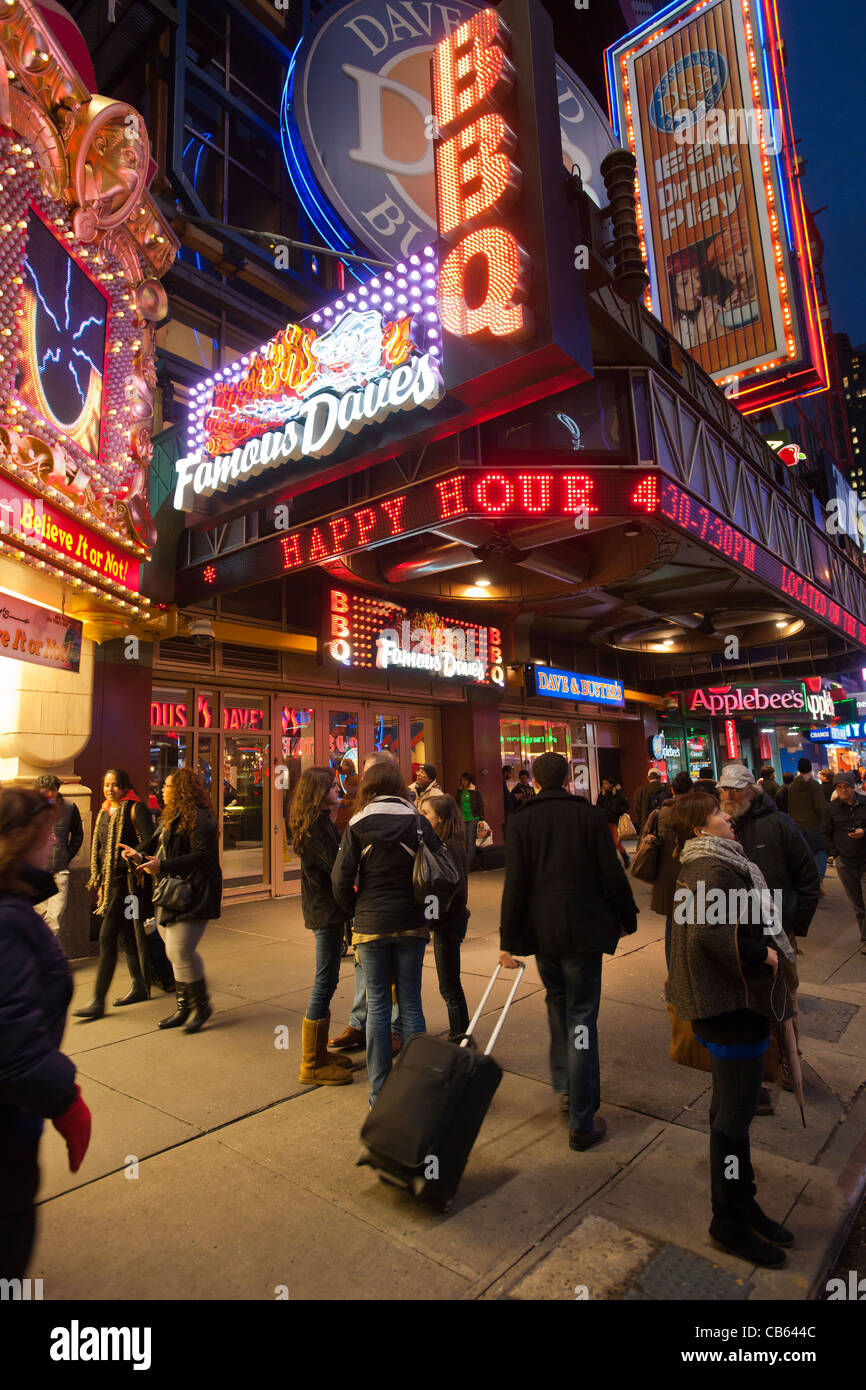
<point>771,91</point>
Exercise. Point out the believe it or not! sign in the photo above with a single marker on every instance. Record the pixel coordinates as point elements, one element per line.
<point>570,685</point>
<point>39,636</point>
<point>38,525</point>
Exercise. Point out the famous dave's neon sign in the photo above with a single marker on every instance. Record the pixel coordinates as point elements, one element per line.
<point>374,633</point>
<point>302,394</point>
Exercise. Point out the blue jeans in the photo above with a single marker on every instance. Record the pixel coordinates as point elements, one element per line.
<point>401,960</point>
<point>329,951</point>
<point>358,1016</point>
<point>573,985</point>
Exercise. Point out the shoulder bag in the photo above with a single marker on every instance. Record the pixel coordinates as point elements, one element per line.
<point>645,864</point>
<point>171,893</point>
<point>434,875</point>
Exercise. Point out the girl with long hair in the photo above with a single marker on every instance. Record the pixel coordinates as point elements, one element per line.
<point>185,845</point>
<point>724,973</point>
<point>449,931</point>
<point>315,840</point>
<point>378,849</point>
<point>123,822</point>
<point>37,1080</point>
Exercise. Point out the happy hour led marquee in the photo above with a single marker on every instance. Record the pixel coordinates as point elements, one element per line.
<point>315,383</point>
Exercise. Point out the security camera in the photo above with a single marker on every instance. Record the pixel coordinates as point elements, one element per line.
<point>201,631</point>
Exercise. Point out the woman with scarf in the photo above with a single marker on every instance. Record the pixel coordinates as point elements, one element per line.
<point>123,820</point>
<point>727,978</point>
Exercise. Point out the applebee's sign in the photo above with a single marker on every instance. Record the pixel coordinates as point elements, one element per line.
<point>303,394</point>
<point>781,700</point>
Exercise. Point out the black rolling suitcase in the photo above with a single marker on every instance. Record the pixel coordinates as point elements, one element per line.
<point>420,1132</point>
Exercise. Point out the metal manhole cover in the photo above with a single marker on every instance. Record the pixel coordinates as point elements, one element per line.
<point>824,1018</point>
<point>678,1274</point>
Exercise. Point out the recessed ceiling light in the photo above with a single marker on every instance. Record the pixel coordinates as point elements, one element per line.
<point>783,623</point>
<point>668,643</point>
<point>485,583</point>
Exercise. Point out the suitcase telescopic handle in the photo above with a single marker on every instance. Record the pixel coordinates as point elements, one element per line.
<point>505,1007</point>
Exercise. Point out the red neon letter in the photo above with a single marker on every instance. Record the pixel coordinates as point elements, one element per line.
<point>291,551</point>
<point>500,504</point>
<point>506,266</point>
<point>393,509</point>
<point>470,68</point>
<point>535,491</point>
<point>366,521</point>
<point>578,491</point>
<point>451,500</point>
<point>339,531</point>
<point>339,601</point>
<point>318,549</point>
<point>646,495</point>
<point>475,157</point>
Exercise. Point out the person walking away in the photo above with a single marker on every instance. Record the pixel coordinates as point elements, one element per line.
<point>566,901</point>
<point>391,931</point>
<point>67,837</point>
<point>826,776</point>
<point>471,805</point>
<point>844,837</point>
<point>37,1081</point>
<point>723,980</point>
<point>614,803</point>
<point>186,846</point>
<point>354,1036</point>
<point>315,840</point>
<point>648,798</point>
<point>782,796</point>
<point>806,803</point>
<point>122,821</point>
<point>771,840</point>
<point>449,930</point>
<point>769,786</point>
<point>662,900</point>
<point>425,785</point>
<point>706,781</point>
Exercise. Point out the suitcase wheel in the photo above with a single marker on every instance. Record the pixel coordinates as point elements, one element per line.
<point>392,1181</point>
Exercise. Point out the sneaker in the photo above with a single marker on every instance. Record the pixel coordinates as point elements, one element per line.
<point>766,1104</point>
<point>740,1239</point>
<point>581,1140</point>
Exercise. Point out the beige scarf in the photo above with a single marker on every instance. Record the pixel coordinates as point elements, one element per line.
<point>117,824</point>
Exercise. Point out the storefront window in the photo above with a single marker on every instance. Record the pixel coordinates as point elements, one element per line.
<point>297,753</point>
<point>510,743</point>
<point>534,741</point>
<point>386,734</point>
<point>343,750</point>
<point>699,752</point>
<point>246,765</point>
<point>557,739</point>
<point>204,765</point>
<point>168,752</point>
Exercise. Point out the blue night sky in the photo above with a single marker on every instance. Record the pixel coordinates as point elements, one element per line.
<point>825,45</point>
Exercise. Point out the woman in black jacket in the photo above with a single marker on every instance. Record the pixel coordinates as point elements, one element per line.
<point>316,840</point>
<point>391,932</point>
<point>36,1079</point>
<point>185,846</point>
<point>123,822</point>
<point>449,931</point>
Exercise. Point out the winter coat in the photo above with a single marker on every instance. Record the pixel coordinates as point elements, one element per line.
<point>317,860</point>
<point>614,805</point>
<point>565,890</point>
<point>67,836</point>
<point>839,819</point>
<point>136,829</point>
<point>665,882</point>
<point>718,974</point>
<point>194,857</point>
<point>378,847</point>
<point>36,1079</point>
<point>457,916</point>
<point>433,789</point>
<point>782,797</point>
<point>806,803</point>
<point>706,784</point>
<point>647,798</point>
<point>476,804</point>
<point>773,842</point>
<point>770,787</point>
<point>828,789</point>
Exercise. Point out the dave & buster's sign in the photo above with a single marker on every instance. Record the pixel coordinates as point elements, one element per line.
<point>570,685</point>
<point>770,701</point>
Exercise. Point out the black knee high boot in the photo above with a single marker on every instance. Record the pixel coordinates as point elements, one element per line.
<point>104,973</point>
<point>735,1211</point>
<point>201,1010</point>
<point>184,1007</point>
<point>139,990</point>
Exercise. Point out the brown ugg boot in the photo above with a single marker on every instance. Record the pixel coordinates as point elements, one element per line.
<point>314,1072</point>
<point>325,1058</point>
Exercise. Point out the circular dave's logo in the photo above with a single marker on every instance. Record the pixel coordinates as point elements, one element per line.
<point>688,91</point>
<point>357,125</point>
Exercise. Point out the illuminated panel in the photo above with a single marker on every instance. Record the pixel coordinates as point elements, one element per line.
<point>51,534</point>
<point>373,633</point>
<point>483,279</point>
<point>699,95</point>
<point>701,522</point>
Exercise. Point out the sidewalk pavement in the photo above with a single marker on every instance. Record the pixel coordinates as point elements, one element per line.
<point>213,1174</point>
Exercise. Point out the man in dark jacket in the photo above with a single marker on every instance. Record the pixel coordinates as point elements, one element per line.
<point>844,837</point>
<point>707,782</point>
<point>468,798</point>
<point>768,784</point>
<point>566,901</point>
<point>773,842</point>
<point>826,775</point>
<point>806,803</point>
<point>648,798</point>
<point>66,839</point>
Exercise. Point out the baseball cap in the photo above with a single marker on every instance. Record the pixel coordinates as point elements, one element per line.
<point>735,776</point>
<point>844,779</point>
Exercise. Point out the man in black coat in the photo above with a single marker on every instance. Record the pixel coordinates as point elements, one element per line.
<point>844,837</point>
<point>567,902</point>
<point>648,798</point>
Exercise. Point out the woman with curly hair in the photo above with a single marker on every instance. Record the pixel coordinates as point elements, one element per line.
<point>185,846</point>
<point>123,821</point>
<point>315,839</point>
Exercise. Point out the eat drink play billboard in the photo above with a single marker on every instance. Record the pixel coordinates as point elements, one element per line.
<point>700,97</point>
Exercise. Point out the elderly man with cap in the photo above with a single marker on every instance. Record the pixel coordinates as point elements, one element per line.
<point>425,784</point>
<point>844,837</point>
<point>773,842</point>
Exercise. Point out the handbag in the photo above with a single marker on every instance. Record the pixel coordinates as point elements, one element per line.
<point>434,875</point>
<point>688,1052</point>
<point>171,893</point>
<point>645,864</point>
<point>625,827</point>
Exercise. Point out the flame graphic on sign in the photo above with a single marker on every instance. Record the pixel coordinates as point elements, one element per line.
<point>396,344</point>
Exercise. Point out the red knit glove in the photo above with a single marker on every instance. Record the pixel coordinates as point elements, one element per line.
<point>74,1124</point>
